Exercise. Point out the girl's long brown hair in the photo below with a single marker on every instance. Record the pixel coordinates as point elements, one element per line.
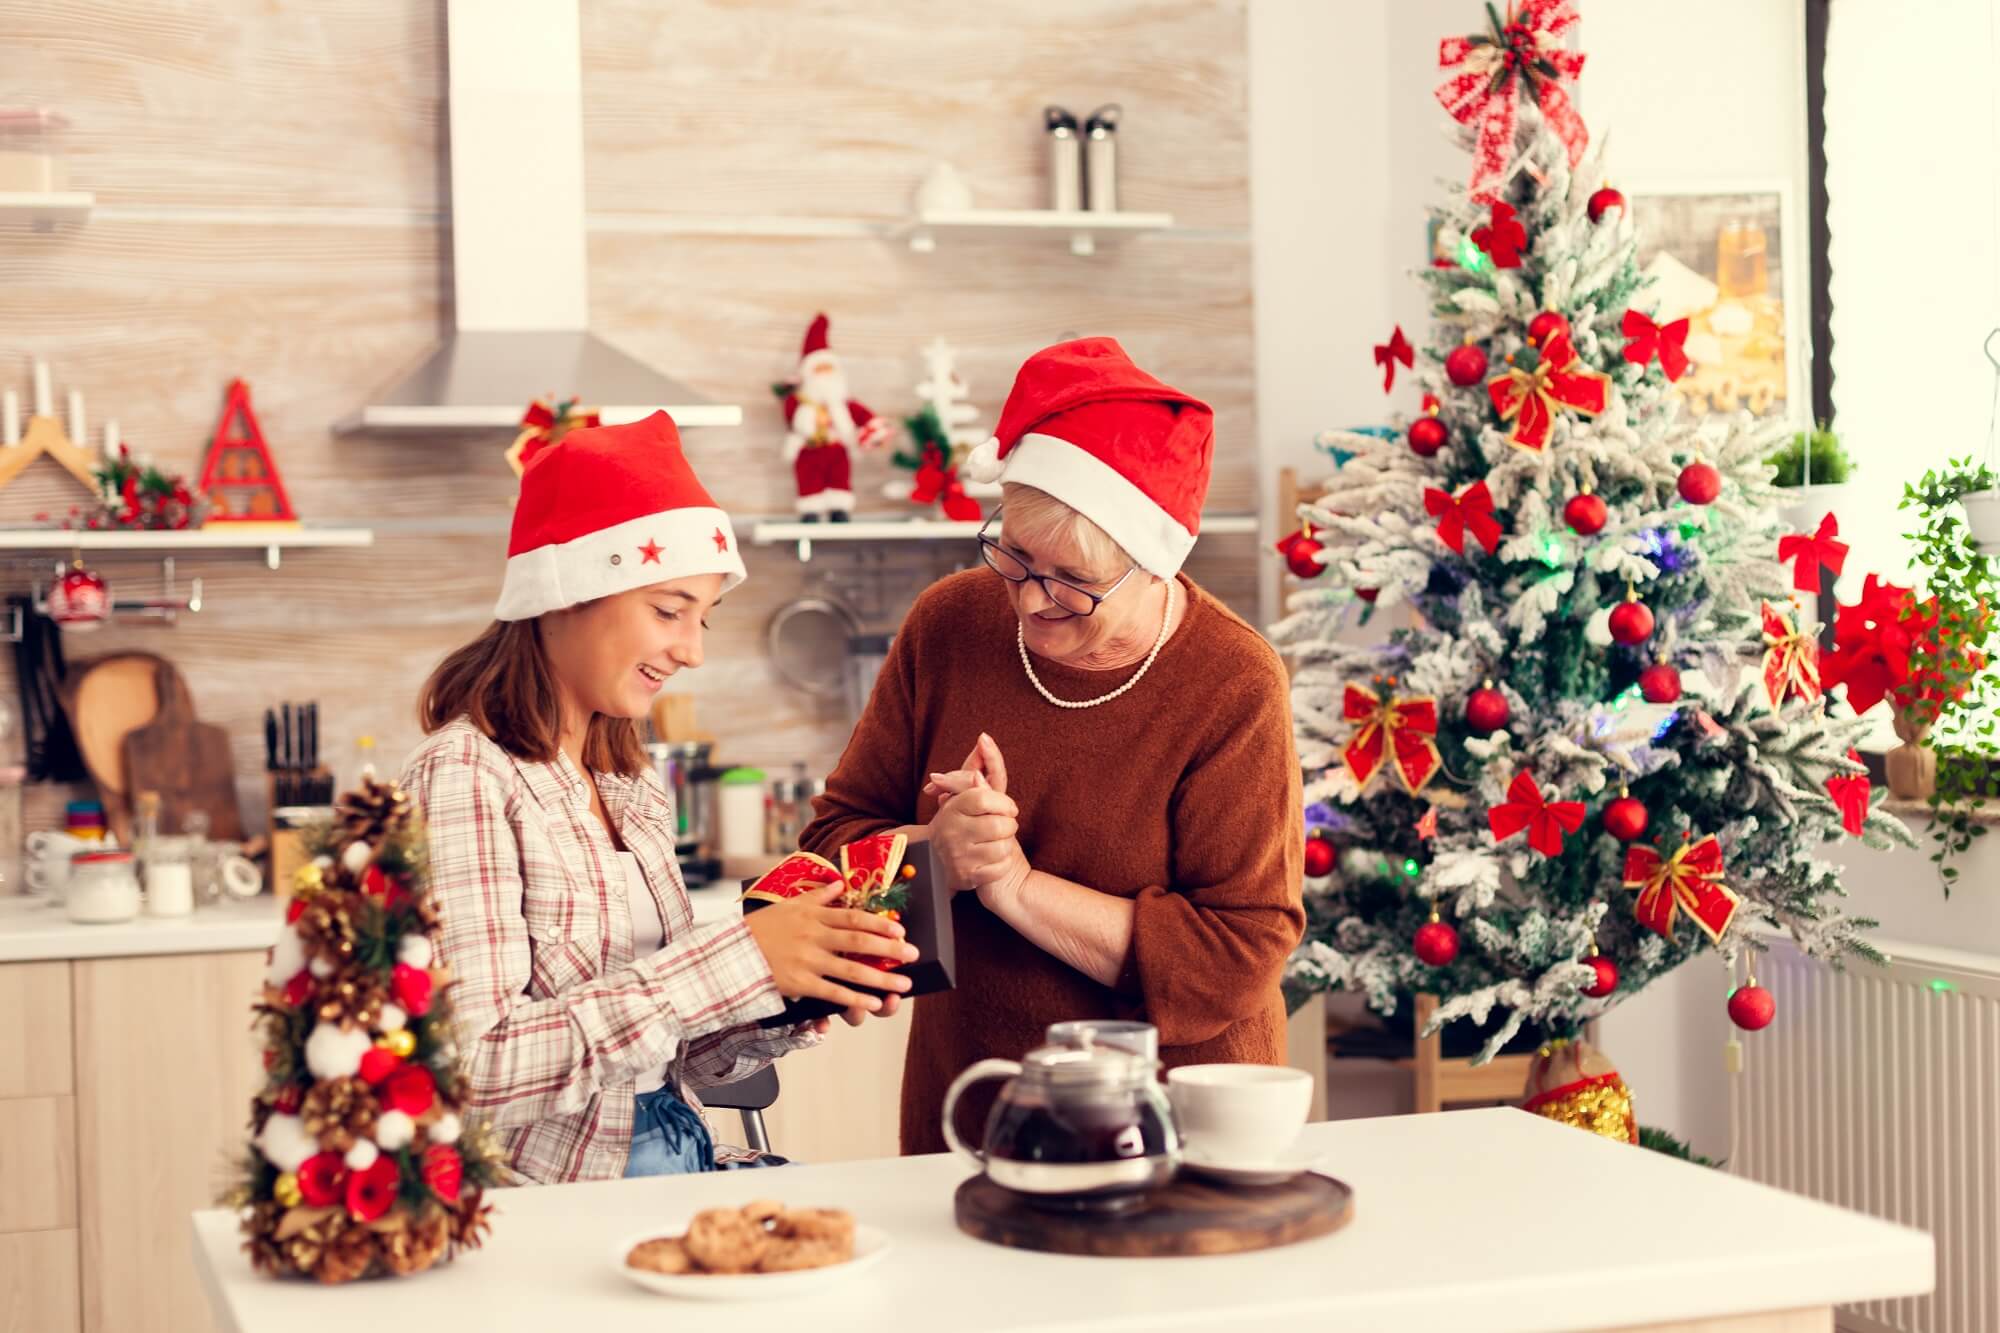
<point>503,683</point>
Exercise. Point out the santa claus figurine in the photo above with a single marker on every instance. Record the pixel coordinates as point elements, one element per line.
<point>824,423</point>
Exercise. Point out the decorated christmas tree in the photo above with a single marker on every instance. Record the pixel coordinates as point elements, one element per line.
<point>360,1161</point>
<point>1600,746</point>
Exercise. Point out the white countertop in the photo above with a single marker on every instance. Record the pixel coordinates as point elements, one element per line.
<point>31,930</point>
<point>1465,1222</point>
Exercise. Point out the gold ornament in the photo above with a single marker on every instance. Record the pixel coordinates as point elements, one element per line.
<point>1572,1083</point>
<point>401,1043</point>
<point>285,1189</point>
<point>308,878</point>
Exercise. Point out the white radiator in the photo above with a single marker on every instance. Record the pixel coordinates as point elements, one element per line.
<point>1878,1089</point>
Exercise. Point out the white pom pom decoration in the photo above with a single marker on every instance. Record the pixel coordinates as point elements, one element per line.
<point>362,1155</point>
<point>393,1019</point>
<point>323,861</point>
<point>445,1129</point>
<point>357,856</point>
<point>335,1052</point>
<point>414,950</point>
<point>393,1130</point>
<point>285,1143</point>
<point>320,968</point>
<point>288,955</point>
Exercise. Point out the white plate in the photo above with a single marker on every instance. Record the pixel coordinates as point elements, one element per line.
<point>1274,1172</point>
<point>871,1246</point>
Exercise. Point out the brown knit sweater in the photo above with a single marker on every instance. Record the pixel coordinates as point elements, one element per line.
<point>1182,795</point>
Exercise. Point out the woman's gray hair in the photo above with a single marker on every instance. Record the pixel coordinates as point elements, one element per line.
<point>1036,518</point>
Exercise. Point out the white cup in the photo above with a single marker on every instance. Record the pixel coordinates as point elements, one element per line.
<point>1239,1115</point>
<point>169,888</point>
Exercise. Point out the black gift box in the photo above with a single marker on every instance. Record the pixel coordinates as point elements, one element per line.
<point>926,922</point>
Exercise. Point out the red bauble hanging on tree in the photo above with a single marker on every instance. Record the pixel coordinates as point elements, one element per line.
<point>1660,683</point>
<point>1751,1007</point>
<point>1319,857</point>
<point>1607,976</point>
<point>1631,622</point>
<point>1486,710</point>
<point>1603,201</point>
<point>1302,557</point>
<point>1585,514</point>
<point>1626,819</point>
<point>1428,435</point>
<point>1465,365</point>
<point>1545,326</point>
<point>1436,943</point>
<point>1699,483</point>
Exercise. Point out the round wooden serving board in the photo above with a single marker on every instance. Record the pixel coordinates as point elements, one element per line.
<point>1189,1216</point>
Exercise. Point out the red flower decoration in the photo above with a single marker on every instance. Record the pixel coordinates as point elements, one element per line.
<point>1648,340</point>
<point>321,1177</point>
<point>289,1099</point>
<point>1504,238</point>
<point>1471,509</point>
<point>444,1172</point>
<point>294,909</point>
<point>1850,791</point>
<point>413,989</point>
<point>1388,354</point>
<point>299,989</point>
<point>1823,549</point>
<point>371,1193</point>
<point>377,1063</point>
<point>378,883</point>
<point>410,1090</point>
<point>1545,820</point>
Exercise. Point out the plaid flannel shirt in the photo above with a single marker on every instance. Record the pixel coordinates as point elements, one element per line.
<point>554,1017</point>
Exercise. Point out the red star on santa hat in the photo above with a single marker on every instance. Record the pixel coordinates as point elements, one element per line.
<point>721,542</point>
<point>649,554</point>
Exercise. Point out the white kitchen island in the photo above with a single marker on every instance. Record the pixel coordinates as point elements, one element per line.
<point>1464,1222</point>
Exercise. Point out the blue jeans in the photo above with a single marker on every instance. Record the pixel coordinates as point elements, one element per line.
<point>669,1139</point>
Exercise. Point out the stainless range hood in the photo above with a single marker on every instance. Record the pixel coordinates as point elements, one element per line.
<point>519,272</point>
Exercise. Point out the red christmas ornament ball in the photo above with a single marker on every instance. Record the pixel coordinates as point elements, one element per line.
<point>1301,558</point>
<point>1428,435</point>
<point>1660,683</point>
<point>1603,201</point>
<point>1699,484</point>
<point>1436,943</point>
<point>1607,976</point>
<point>1751,1007</point>
<point>1585,514</point>
<point>1486,710</point>
<point>1368,595</point>
<point>1465,366</point>
<point>1319,857</point>
<point>1625,819</point>
<point>1545,326</point>
<point>1631,622</point>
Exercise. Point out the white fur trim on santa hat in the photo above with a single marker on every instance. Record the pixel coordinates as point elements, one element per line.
<point>616,559</point>
<point>1086,483</point>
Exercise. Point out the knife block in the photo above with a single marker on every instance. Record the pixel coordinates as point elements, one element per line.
<point>291,828</point>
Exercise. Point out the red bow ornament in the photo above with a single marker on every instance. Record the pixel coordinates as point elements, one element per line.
<point>1648,340</point>
<point>1850,791</point>
<point>1402,726</point>
<point>936,482</point>
<point>1503,239</point>
<point>1791,658</point>
<point>1823,549</point>
<point>1531,398</point>
<point>1389,353</point>
<point>1545,820</point>
<point>1470,510</point>
<point>1492,71</point>
<point>1689,880</point>
<point>545,423</point>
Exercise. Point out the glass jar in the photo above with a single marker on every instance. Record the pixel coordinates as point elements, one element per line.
<point>789,812</point>
<point>103,888</point>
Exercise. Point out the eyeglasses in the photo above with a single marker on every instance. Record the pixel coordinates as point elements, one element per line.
<point>1071,598</point>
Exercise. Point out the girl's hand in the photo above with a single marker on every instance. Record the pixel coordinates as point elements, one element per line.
<point>803,939</point>
<point>854,1016</point>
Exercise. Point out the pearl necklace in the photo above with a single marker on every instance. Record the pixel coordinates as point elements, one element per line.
<point>1021,644</point>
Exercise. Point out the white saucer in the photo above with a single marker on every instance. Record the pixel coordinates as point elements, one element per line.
<point>1274,1171</point>
<point>871,1246</point>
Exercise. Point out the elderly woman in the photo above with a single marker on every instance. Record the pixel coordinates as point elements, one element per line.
<point>1101,751</point>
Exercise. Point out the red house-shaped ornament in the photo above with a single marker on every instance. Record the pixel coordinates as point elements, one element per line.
<point>239,477</point>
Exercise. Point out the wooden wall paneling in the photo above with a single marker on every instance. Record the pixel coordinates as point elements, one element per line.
<point>35,1030</point>
<point>38,1164</point>
<point>38,1282</point>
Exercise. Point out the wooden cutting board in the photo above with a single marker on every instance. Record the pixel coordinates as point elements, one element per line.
<point>1187,1216</point>
<point>106,699</point>
<point>187,762</point>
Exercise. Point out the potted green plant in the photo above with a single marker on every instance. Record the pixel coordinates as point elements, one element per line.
<point>1814,470</point>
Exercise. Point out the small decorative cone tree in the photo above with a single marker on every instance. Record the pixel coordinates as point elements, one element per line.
<point>360,1161</point>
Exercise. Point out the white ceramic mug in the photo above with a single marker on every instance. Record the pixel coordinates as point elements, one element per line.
<point>1239,1115</point>
<point>46,843</point>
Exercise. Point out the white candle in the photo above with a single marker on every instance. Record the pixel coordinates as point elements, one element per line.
<point>111,438</point>
<point>45,402</point>
<point>76,430</point>
<point>10,417</point>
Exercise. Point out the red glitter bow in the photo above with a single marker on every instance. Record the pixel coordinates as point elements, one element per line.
<point>1471,509</point>
<point>1493,70</point>
<point>1791,658</point>
<point>1530,398</point>
<point>1545,820</point>
<point>1389,353</point>
<point>1503,239</point>
<point>1405,726</point>
<point>1689,880</point>
<point>1823,549</point>
<point>1850,791</point>
<point>1648,340</point>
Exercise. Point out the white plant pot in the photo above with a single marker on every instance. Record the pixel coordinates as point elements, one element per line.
<point>1804,506</point>
<point>1982,519</point>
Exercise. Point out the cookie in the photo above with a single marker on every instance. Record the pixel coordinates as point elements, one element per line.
<point>792,1256</point>
<point>664,1255</point>
<point>763,1211</point>
<point>723,1240</point>
<point>831,1225</point>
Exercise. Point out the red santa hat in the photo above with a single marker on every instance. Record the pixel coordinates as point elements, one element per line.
<point>815,342</point>
<point>608,509</point>
<point>1124,450</point>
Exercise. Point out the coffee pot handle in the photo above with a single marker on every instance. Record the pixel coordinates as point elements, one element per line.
<point>979,1073</point>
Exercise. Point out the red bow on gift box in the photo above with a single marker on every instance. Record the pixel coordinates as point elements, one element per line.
<point>1791,658</point>
<point>1389,353</point>
<point>1493,70</point>
<point>1471,509</point>
<point>1648,340</point>
<point>1402,726</point>
<point>1545,820</point>
<point>1823,549</point>
<point>1690,880</point>
<point>1503,238</point>
<point>1530,398</point>
<point>1850,791</point>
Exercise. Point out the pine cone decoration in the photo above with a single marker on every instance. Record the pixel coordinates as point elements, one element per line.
<point>266,1254</point>
<point>358,994</point>
<point>418,1245</point>
<point>370,812</point>
<point>471,1222</point>
<point>327,929</point>
<point>339,1111</point>
<point>346,1256</point>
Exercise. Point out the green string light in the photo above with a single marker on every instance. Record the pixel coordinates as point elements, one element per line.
<point>1470,257</point>
<point>1410,867</point>
<point>1553,553</point>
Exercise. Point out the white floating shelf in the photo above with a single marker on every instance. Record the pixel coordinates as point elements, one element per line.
<point>46,208</point>
<point>218,537</point>
<point>772,532</point>
<point>1085,230</point>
